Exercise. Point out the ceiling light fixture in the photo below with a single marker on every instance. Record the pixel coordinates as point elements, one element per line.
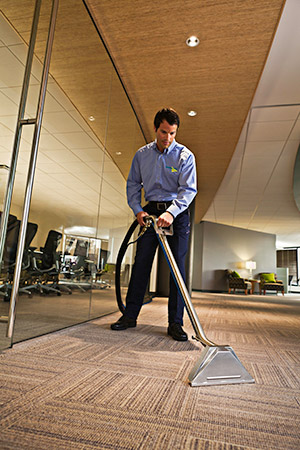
<point>192,113</point>
<point>92,118</point>
<point>192,41</point>
<point>118,153</point>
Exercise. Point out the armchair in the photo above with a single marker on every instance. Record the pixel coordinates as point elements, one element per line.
<point>236,282</point>
<point>269,282</point>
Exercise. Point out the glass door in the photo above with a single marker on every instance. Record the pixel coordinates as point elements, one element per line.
<point>78,213</point>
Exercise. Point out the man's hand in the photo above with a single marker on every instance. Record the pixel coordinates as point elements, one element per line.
<point>165,219</point>
<point>140,217</point>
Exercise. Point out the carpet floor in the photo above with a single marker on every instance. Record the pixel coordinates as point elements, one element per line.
<point>87,387</point>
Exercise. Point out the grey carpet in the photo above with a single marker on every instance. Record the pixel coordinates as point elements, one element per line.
<point>88,387</point>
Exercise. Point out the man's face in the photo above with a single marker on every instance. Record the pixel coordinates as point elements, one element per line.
<point>165,135</point>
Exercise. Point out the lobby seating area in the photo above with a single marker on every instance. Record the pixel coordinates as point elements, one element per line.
<point>267,282</point>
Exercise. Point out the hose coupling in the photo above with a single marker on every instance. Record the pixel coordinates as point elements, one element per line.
<point>148,222</point>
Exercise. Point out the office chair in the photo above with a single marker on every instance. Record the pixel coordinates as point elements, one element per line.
<point>26,278</point>
<point>9,256</point>
<point>10,253</point>
<point>45,265</point>
<point>78,274</point>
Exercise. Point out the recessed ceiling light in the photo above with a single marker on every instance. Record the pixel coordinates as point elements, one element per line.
<point>92,118</point>
<point>192,41</point>
<point>118,153</point>
<point>192,113</point>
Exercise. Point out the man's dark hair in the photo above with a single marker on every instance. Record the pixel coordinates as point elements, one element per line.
<point>168,114</point>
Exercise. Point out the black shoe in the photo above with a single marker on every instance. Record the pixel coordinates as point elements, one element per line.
<point>123,323</point>
<point>175,330</point>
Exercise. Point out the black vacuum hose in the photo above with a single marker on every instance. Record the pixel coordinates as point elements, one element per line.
<point>120,257</point>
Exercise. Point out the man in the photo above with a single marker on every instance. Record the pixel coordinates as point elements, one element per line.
<point>167,172</point>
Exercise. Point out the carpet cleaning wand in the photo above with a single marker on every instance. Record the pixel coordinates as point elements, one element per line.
<point>218,364</point>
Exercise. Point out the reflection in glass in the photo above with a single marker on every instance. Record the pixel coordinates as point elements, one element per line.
<point>6,270</point>
<point>79,214</point>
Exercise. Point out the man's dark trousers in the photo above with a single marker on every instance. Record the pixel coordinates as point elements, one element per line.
<point>146,247</point>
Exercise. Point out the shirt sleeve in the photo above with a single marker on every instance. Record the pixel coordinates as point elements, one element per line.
<point>187,187</point>
<point>134,186</point>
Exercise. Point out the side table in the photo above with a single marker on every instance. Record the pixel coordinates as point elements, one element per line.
<point>253,282</point>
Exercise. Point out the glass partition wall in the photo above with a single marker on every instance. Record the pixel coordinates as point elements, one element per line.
<point>78,214</point>
<point>4,305</point>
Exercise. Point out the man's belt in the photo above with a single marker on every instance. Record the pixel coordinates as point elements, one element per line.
<point>160,206</point>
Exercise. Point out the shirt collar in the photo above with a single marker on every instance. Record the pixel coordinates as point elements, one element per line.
<point>168,149</point>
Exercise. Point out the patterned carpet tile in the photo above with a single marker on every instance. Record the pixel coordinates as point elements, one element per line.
<point>242,428</point>
<point>76,423</point>
<point>194,443</point>
<point>102,388</point>
<point>98,427</point>
<point>250,398</point>
<point>11,410</point>
<point>77,349</point>
<point>12,388</point>
<point>92,388</point>
<point>171,399</point>
<point>68,435</point>
<point>285,357</point>
<point>233,338</point>
<point>167,398</point>
<point>164,441</point>
<point>275,375</point>
<point>99,334</point>
<point>283,337</point>
<point>19,374</point>
<point>150,364</point>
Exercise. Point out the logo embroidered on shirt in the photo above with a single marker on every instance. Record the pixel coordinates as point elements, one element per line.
<point>173,169</point>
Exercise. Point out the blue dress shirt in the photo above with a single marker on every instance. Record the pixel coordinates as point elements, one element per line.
<point>167,176</point>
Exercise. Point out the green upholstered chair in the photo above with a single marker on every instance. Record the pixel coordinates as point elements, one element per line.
<point>269,282</point>
<point>236,282</point>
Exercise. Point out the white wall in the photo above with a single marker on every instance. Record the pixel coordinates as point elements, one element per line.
<point>219,247</point>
